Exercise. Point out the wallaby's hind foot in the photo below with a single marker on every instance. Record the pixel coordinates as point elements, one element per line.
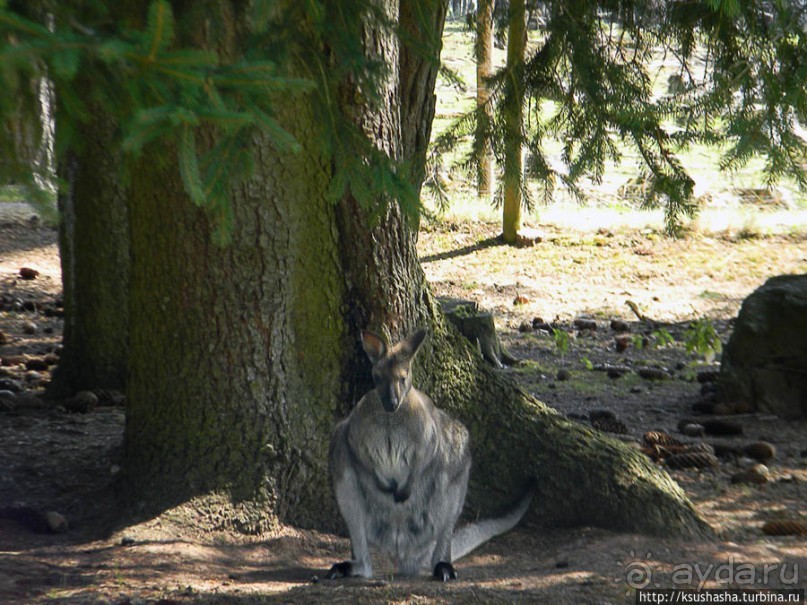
<point>443,572</point>
<point>339,570</point>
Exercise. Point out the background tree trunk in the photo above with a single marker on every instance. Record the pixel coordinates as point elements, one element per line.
<point>94,250</point>
<point>513,109</point>
<point>486,176</point>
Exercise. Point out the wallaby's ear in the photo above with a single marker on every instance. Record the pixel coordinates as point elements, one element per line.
<point>412,342</point>
<point>374,345</point>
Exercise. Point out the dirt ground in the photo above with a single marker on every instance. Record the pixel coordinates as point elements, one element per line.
<point>52,459</point>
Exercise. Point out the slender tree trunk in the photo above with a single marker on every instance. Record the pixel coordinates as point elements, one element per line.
<point>486,176</point>
<point>514,99</point>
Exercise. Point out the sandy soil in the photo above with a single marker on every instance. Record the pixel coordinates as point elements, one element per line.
<point>54,460</point>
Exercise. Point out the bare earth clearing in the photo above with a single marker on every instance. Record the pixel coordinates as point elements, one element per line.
<point>68,462</point>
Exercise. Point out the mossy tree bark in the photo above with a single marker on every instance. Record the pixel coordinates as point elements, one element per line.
<point>242,357</point>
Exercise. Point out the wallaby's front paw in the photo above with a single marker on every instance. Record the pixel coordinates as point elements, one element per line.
<point>443,572</point>
<point>340,570</point>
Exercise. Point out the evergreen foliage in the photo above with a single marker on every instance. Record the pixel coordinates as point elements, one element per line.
<point>175,93</point>
<point>742,65</point>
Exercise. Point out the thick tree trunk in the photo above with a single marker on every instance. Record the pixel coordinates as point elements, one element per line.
<point>486,176</point>
<point>513,110</point>
<point>236,352</point>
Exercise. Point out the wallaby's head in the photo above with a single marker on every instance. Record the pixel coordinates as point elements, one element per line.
<point>392,366</point>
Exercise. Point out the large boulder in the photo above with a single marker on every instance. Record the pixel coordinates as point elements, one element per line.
<point>765,360</point>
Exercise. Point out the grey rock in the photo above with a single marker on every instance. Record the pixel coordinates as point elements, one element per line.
<point>765,361</point>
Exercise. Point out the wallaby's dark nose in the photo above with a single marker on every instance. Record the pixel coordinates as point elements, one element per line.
<point>390,399</point>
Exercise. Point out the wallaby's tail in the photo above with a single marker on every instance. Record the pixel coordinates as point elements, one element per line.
<point>469,537</point>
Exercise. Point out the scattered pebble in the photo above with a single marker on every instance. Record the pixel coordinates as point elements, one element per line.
<point>693,429</point>
<point>617,325</point>
<point>28,273</point>
<point>761,451</point>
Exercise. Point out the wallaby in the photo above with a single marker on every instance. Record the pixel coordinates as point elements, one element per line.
<point>400,468</point>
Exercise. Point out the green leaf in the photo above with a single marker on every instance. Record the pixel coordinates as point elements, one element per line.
<point>65,64</point>
<point>189,166</point>
<point>159,28</point>
<point>113,50</point>
<point>225,119</point>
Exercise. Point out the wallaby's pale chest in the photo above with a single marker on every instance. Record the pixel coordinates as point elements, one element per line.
<point>393,445</point>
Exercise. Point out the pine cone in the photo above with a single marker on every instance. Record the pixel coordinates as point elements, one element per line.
<point>785,527</point>
<point>659,438</point>
<point>691,460</point>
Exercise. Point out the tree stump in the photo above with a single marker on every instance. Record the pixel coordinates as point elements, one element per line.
<point>479,328</point>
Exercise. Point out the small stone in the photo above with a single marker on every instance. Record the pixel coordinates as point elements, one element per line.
<point>585,324</point>
<point>28,273</point>
<point>36,363</point>
<point>29,327</point>
<point>33,377</point>
<point>83,402</point>
<point>127,541</point>
<point>617,325</point>
<point>761,451</point>
<point>525,326</point>
<point>9,384</point>
<point>692,429</point>
<point>57,523</point>
<point>563,375</point>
